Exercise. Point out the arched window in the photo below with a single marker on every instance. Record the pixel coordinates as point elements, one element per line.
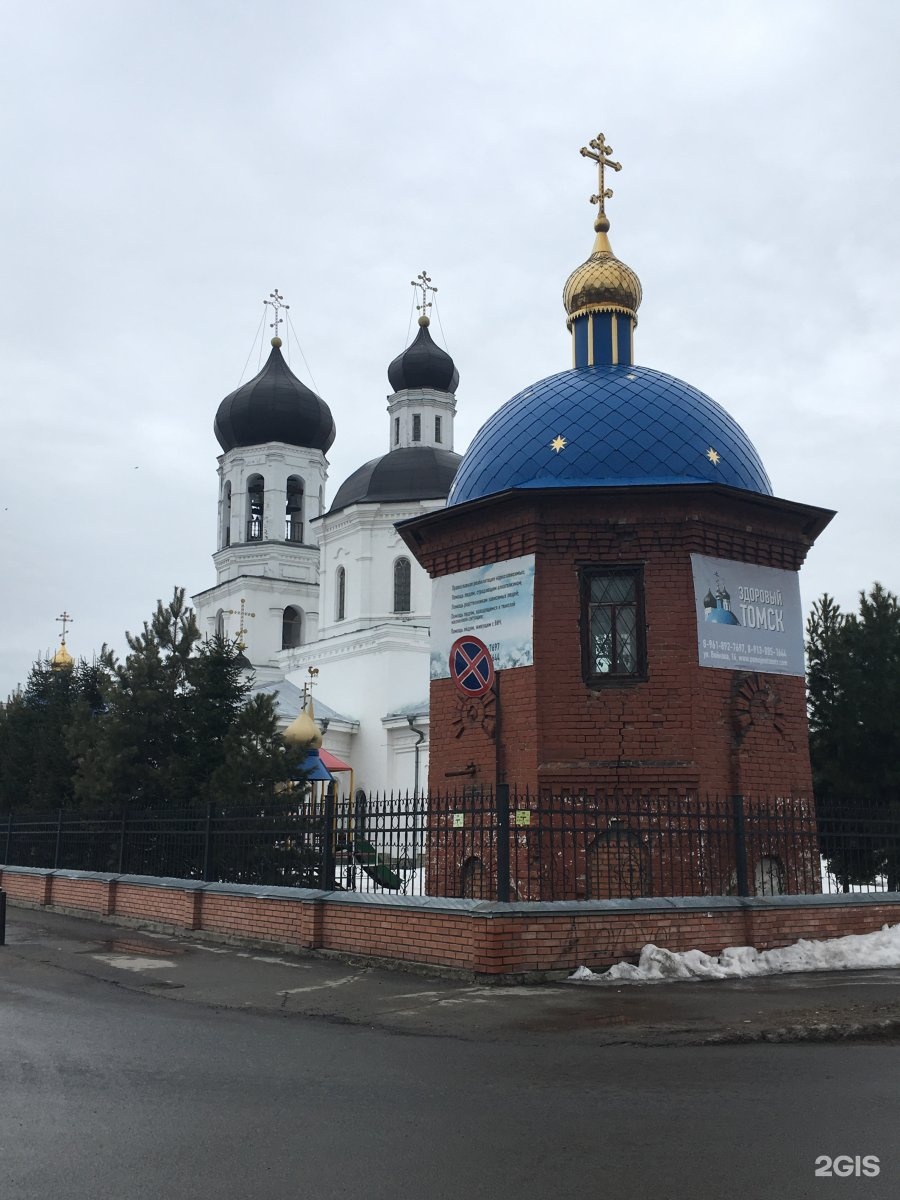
<point>293,510</point>
<point>402,585</point>
<point>220,624</point>
<point>225,537</point>
<point>340,594</point>
<point>291,628</point>
<point>256,491</point>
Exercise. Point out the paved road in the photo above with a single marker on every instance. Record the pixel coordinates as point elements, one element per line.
<point>116,1091</point>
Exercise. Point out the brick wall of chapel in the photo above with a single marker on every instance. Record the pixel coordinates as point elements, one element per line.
<point>686,728</point>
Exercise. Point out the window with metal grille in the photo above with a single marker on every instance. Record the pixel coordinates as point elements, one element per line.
<point>396,431</point>
<point>613,624</point>
<point>417,427</point>
<point>402,585</point>
<point>437,429</point>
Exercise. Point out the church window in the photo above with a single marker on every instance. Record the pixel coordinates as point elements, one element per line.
<point>612,624</point>
<point>226,515</point>
<point>437,430</point>
<point>293,510</point>
<point>340,594</point>
<point>396,431</point>
<point>256,491</point>
<point>402,585</point>
<point>291,628</point>
<point>220,624</point>
<point>417,427</point>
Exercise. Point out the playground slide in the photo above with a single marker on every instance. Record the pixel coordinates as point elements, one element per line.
<point>368,858</point>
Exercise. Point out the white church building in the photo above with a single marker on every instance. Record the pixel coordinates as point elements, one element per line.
<point>327,592</point>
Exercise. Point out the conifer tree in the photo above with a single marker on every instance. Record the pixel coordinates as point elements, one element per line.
<point>854,715</point>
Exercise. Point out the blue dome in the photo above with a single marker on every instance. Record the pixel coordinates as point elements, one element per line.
<point>620,426</point>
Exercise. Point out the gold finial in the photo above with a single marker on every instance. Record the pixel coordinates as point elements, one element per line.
<point>276,303</point>
<point>303,730</point>
<point>242,631</point>
<point>598,149</point>
<point>423,281</point>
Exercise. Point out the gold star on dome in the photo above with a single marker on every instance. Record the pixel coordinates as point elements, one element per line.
<point>714,456</point>
<point>558,443</point>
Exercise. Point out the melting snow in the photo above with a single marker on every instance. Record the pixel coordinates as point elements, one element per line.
<point>657,965</point>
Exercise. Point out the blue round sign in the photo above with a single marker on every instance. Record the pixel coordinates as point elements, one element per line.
<point>471,666</point>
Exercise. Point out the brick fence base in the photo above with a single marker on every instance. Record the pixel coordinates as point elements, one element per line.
<point>494,941</point>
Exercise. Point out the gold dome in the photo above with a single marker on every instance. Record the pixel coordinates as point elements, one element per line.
<point>603,283</point>
<point>303,730</point>
<point>62,659</point>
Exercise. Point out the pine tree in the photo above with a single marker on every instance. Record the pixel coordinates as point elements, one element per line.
<point>37,763</point>
<point>854,714</point>
<point>179,729</point>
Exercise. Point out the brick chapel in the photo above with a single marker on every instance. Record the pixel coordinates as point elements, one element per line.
<point>659,648</point>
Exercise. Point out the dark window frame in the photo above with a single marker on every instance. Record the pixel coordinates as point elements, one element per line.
<point>438,430</point>
<point>417,427</point>
<point>592,677</point>
<point>402,585</point>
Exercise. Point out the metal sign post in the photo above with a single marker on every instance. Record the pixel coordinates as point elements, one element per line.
<point>472,671</point>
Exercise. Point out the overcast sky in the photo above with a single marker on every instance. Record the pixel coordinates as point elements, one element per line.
<point>167,164</point>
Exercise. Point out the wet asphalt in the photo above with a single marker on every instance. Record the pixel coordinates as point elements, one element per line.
<point>134,1065</point>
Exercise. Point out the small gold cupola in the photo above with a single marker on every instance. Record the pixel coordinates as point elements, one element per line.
<point>303,732</point>
<point>602,296</point>
<point>62,660</point>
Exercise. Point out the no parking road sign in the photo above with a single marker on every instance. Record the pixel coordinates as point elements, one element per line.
<point>471,666</point>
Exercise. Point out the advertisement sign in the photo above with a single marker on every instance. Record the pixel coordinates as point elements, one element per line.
<point>749,618</point>
<point>494,603</point>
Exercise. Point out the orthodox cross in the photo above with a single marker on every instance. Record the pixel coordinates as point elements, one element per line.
<point>242,613</point>
<point>66,620</point>
<point>423,281</point>
<point>599,149</point>
<point>276,303</point>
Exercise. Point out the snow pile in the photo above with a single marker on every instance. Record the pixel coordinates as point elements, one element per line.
<point>657,965</point>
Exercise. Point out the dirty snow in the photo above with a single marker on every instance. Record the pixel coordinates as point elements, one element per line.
<point>658,965</point>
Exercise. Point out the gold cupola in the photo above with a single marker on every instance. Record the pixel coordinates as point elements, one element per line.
<point>602,296</point>
<point>603,283</point>
<point>62,660</point>
<point>303,732</point>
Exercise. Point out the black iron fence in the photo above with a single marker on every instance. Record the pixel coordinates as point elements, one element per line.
<point>482,845</point>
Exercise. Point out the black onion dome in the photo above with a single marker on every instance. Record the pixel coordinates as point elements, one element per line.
<point>413,473</point>
<point>274,406</point>
<point>423,365</point>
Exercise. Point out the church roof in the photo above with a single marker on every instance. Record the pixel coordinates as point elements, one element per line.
<point>423,364</point>
<point>608,426</point>
<point>274,406</point>
<point>409,473</point>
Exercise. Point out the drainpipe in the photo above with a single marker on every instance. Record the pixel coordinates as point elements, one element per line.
<point>421,732</point>
<point>415,832</point>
